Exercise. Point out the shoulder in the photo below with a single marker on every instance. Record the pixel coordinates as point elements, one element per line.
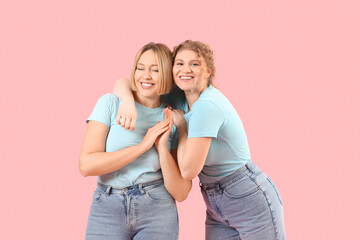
<point>109,99</point>
<point>210,98</point>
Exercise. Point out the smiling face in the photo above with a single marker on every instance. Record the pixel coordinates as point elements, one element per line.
<point>146,76</point>
<point>190,71</point>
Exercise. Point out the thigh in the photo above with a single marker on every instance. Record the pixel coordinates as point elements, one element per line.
<point>216,230</point>
<point>247,209</point>
<point>107,219</point>
<point>274,200</point>
<point>157,217</point>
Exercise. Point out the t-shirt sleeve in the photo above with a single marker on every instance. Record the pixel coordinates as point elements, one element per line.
<point>102,111</point>
<point>205,120</point>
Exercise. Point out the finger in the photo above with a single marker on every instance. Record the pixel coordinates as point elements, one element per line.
<point>160,126</point>
<point>167,113</point>
<point>132,124</point>
<point>164,123</point>
<point>127,123</point>
<point>122,121</point>
<point>118,117</point>
<point>170,116</point>
<point>161,130</point>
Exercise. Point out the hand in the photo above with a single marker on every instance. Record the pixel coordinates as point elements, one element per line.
<point>126,116</point>
<point>163,138</point>
<point>153,133</point>
<point>178,117</point>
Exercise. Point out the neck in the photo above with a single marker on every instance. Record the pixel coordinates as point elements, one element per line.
<point>150,102</point>
<point>193,95</point>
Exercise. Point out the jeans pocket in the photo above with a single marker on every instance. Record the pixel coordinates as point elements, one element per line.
<point>98,195</point>
<point>276,189</point>
<point>159,194</point>
<point>242,188</point>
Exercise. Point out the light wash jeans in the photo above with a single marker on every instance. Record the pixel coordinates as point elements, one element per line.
<point>245,205</point>
<point>144,211</point>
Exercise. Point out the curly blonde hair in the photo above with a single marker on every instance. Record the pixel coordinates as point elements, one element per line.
<point>203,50</point>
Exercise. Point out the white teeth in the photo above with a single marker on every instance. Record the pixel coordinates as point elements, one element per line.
<point>187,78</point>
<point>146,84</point>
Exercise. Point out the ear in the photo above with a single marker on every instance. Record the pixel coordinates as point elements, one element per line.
<point>208,73</point>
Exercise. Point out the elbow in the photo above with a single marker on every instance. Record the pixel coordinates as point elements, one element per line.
<point>84,170</point>
<point>188,175</point>
<point>181,197</point>
<point>118,83</point>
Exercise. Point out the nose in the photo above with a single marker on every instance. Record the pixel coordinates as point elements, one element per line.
<point>186,68</point>
<point>147,75</point>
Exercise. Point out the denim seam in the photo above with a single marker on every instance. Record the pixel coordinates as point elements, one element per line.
<point>215,206</point>
<point>232,181</point>
<point>275,189</point>
<point>270,207</point>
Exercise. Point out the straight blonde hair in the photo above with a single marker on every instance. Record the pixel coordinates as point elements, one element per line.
<point>164,62</point>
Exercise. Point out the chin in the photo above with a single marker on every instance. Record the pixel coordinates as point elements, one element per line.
<point>183,86</point>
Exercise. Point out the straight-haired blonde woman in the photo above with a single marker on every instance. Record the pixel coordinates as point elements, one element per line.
<point>137,181</point>
<point>242,202</point>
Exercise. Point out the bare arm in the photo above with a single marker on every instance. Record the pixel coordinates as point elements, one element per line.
<point>127,114</point>
<point>95,161</point>
<point>192,152</point>
<point>178,187</point>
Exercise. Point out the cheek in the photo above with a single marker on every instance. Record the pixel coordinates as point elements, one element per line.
<point>137,75</point>
<point>175,70</point>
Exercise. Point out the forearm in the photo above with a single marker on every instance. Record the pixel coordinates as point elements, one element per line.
<point>182,137</point>
<point>122,89</point>
<point>99,163</point>
<point>178,187</point>
<point>193,156</point>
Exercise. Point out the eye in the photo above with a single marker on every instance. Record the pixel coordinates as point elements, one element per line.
<point>179,64</point>
<point>140,68</point>
<point>155,70</point>
<point>195,64</point>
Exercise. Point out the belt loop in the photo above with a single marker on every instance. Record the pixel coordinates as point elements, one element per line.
<point>249,168</point>
<point>141,189</point>
<point>108,191</point>
<point>218,187</point>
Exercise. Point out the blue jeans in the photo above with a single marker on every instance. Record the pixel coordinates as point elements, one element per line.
<point>144,211</point>
<point>244,205</point>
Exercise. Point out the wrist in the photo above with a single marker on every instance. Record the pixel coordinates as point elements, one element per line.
<point>162,148</point>
<point>143,147</point>
<point>182,125</point>
<point>128,99</point>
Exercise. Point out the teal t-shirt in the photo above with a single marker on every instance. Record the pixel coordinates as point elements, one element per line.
<point>212,115</point>
<point>145,168</point>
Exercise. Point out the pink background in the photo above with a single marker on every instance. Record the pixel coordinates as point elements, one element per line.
<point>290,68</point>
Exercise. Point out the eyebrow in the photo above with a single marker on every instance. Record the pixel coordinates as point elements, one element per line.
<point>144,64</point>
<point>190,60</point>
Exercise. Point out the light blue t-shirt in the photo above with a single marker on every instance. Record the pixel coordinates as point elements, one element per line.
<point>145,168</point>
<point>212,115</point>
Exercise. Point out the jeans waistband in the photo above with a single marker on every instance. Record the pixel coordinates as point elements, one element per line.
<point>235,176</point>
<point>141,186</point>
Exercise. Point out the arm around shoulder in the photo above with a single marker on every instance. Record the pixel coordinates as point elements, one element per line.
<point>127,115</point>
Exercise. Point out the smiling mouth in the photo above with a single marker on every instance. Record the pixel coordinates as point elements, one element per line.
<point>186,77</point>
<point>146,85</point>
